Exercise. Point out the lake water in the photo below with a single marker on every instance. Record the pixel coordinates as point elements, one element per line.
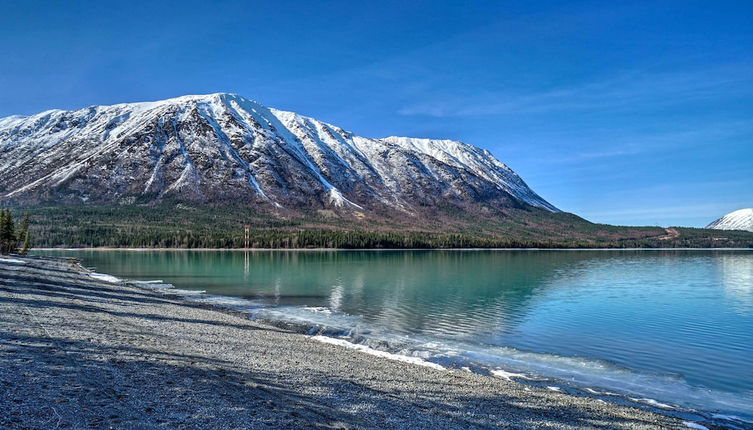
<point>674,327</point>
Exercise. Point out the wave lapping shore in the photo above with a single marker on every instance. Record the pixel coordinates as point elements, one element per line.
<point>77,351</point>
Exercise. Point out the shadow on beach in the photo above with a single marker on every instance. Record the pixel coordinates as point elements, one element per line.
<point>80,353</point>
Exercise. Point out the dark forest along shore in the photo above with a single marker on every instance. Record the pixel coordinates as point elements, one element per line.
<point>664,329</point>
<point>80,349</point>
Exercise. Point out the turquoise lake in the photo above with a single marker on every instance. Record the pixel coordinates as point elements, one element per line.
<point>667,326</point>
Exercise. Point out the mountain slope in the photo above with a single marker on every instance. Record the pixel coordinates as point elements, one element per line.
<point>741,219</point>
<point>189,171</point>
<point>223,148</point>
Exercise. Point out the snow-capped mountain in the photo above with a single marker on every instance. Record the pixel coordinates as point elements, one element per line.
<point>225,148</point>
<point>741,219</point>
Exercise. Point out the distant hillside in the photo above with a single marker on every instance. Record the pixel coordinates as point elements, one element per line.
<point>206,226</point>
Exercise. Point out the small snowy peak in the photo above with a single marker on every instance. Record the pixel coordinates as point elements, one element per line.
<point>741,219</point>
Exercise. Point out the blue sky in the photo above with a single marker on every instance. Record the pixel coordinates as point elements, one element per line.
<point>622,112</point>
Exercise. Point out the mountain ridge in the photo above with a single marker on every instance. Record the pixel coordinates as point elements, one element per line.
<point>221,146</point>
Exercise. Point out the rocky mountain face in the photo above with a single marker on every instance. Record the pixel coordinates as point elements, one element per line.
<point>738,220</point>
<point>223,148</point>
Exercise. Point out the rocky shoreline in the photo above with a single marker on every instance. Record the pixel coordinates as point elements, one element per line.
<point>80,352</point>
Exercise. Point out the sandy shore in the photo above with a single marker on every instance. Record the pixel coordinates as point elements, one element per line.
<point>79,352</point>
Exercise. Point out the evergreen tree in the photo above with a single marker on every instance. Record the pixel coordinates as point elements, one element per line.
<point>27,243</point>
<point>24,234</point>
<point>8,239</point>
<point>24,226</point>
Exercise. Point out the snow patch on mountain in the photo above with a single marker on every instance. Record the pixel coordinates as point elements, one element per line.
<point>741,219</point>
<point>223,147</point>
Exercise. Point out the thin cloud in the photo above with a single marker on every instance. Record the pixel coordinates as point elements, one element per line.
<point>627,91</point>
<point>626,143</point>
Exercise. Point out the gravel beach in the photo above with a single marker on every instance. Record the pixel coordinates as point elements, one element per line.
<point>81,352</point>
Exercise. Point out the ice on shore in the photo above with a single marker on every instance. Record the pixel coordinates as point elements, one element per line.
<point>653,402</point>
<point>318,309</point>
<point>726,417</point>
<point>12,260</point>
<point>507,375</point>
<point>371,351</point>
<point>181,292</point>
<point>695,425</point>
<point>105,277</point>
